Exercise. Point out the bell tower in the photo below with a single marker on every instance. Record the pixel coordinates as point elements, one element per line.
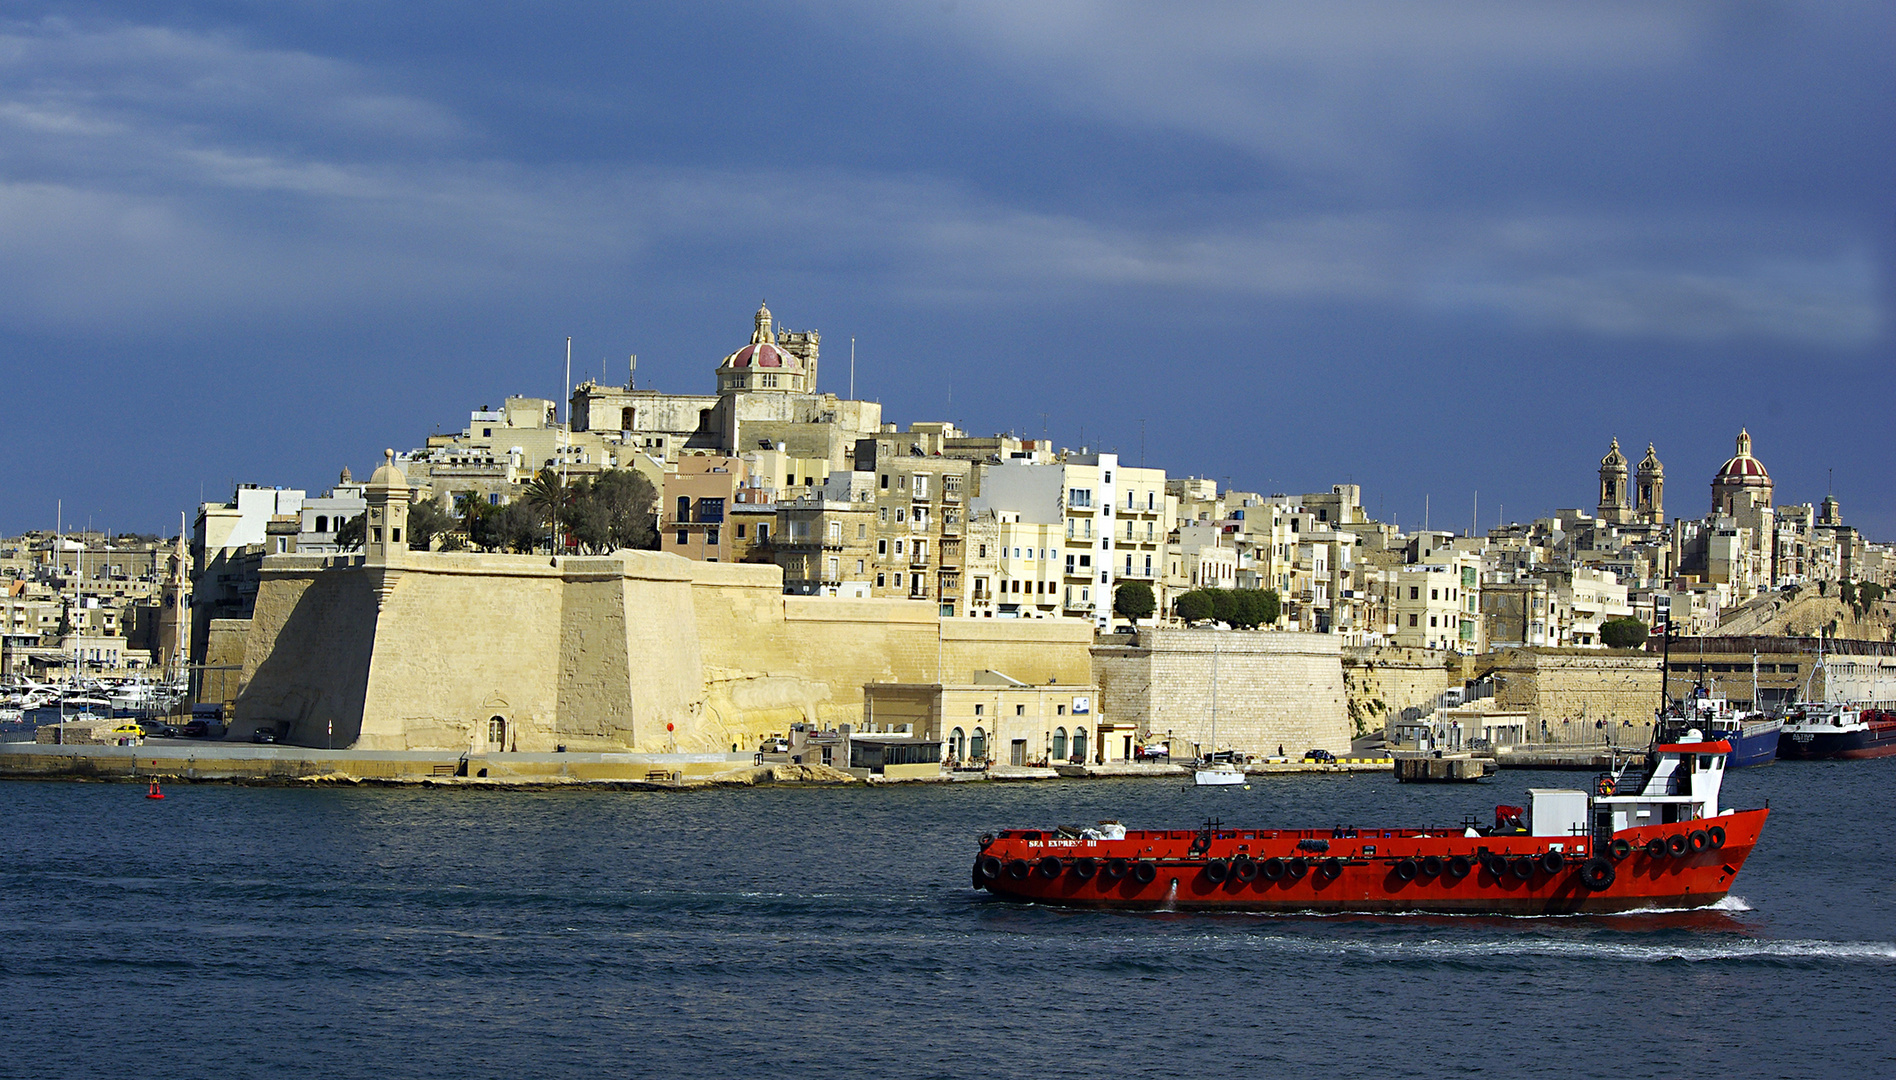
<point>1615,507</point>
<point>1650,507</point>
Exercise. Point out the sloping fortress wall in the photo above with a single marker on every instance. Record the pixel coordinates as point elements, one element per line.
<point>1568,694</point>
<point>1274,689</point>
<point>631,651</point>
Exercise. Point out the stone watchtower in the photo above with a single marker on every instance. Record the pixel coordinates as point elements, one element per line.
<point>1650,505</point>
<point>387,527</point>
<point>1615,507</point>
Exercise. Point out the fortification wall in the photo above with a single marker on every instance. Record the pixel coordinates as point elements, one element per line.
<point>1572,694</point>
<point>633,651</point>
<point>1380,682</point>
<point>1274,689</point>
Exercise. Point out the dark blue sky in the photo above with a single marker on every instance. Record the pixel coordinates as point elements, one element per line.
<point>1433,249</point>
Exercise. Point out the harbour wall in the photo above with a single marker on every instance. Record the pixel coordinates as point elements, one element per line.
<point>638,651</point>
<point>1273,689</point>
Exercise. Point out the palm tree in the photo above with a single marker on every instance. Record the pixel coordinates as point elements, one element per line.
<point>547,495</point>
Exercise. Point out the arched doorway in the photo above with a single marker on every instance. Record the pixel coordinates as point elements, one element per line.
<point>1059,744</point>
<point>977,746</point>
<point>1079,744</point>
<point>957,742</point>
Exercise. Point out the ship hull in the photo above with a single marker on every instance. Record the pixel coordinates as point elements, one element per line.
<point>1383,871</point>
<point>1751,744</point>
<point>1859,743</point>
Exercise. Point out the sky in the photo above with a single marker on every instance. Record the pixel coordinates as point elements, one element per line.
<point>1445,251</point>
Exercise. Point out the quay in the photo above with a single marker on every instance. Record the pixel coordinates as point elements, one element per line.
<point>246,763</point>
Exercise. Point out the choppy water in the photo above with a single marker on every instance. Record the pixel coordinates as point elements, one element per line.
<point>237,932</point>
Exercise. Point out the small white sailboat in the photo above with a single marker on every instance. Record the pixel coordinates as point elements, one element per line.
<point>1209,771</point>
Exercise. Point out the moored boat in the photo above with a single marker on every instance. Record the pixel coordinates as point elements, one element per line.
<point>1664,844</point>
<point>1822,729</point>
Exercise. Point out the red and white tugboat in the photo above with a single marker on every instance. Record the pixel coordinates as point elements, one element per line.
<point>1664,845</point>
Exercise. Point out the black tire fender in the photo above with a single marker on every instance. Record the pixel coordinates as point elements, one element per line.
<point>1406,870</point>
<point>1457,867</point>
<point>1699,840</point>
<point>1018,869</point>
<point>1522,867</point>
<point>1619,849</point>
<point>1716,834</point>
<point>1331,868</point>
<point>1678,846</point>
<point>1217,870</point>
<point>1553,862</point>
<point>1048,867</point>
<point>1116,869</point>
<point>1597,874</point>
<point>988,867</point>
<point>1431,865</point>
<point>1144,872</point>
<point>1084,868</point>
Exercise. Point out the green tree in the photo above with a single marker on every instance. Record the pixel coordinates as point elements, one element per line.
<point>1272,607</point>
<point>1627,633</point>
<point>547,496</point>
<point>518,527</point>
<point>351,534</point>
<point>1193,607</point>
<point>629,505</point>
<point>1224,605</point>
<point>1134,600</point>
<point>426,520</point>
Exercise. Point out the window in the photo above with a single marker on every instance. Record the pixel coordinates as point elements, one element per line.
<point>862,531</point>
<point>1432,594</point>
<point>1059,742</point>
<point>979,709</point>
<point>1412,620</point>
<point>835,569</point>
<point>836,531</point>
<point>882,515</point>
<point>740,532</point>
<point>1415,592</point>
<point>1080,497</point>
<point>882,547</point>
<point>885,482</point>
<point>899,514</point>
<point>711,537</point>
<point>497,731</point>
<point>763,533</point>
<point>322,523</point>
<point>1431,620</point>
<point>921,487</point>
<point>859,566</point>
<point>898,547</point>
<point>881,577</point>
<point>681,537</point>
<point>977,746</point>
<point>1059,710</point>
<point>1020,710</point>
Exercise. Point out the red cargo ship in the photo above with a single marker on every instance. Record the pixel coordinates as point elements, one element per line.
<point>1665,845</point>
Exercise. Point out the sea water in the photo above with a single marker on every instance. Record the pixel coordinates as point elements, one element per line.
<point>798,932</point>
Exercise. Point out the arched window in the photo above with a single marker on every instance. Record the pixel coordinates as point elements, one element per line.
<point>1079,744</point>
<point>497,732</point>
<point>957,742</point>
<point>977,746</point>
<point>1059,743</point>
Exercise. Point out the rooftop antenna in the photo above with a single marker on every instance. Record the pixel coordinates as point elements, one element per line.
<point>1425,513</point>
<point>1474,519</point>
<point>852,367</point>
<point>632,382</point>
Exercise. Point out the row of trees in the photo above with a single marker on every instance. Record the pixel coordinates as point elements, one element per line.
<point>1243,608</point>
<point>594,514</point>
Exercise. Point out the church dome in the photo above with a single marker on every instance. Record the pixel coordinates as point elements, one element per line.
<point>1742,468</point>
<point>762,355</point>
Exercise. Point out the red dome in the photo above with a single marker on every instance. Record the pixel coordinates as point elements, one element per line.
<point>1743,468</point>
<point>763,355</point>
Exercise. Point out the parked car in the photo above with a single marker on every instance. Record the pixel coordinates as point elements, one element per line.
<point>158,729</point>
<point>263,735</point>
<point>1319,756</point>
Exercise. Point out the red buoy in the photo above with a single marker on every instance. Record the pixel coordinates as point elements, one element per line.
<point>153,792</point>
